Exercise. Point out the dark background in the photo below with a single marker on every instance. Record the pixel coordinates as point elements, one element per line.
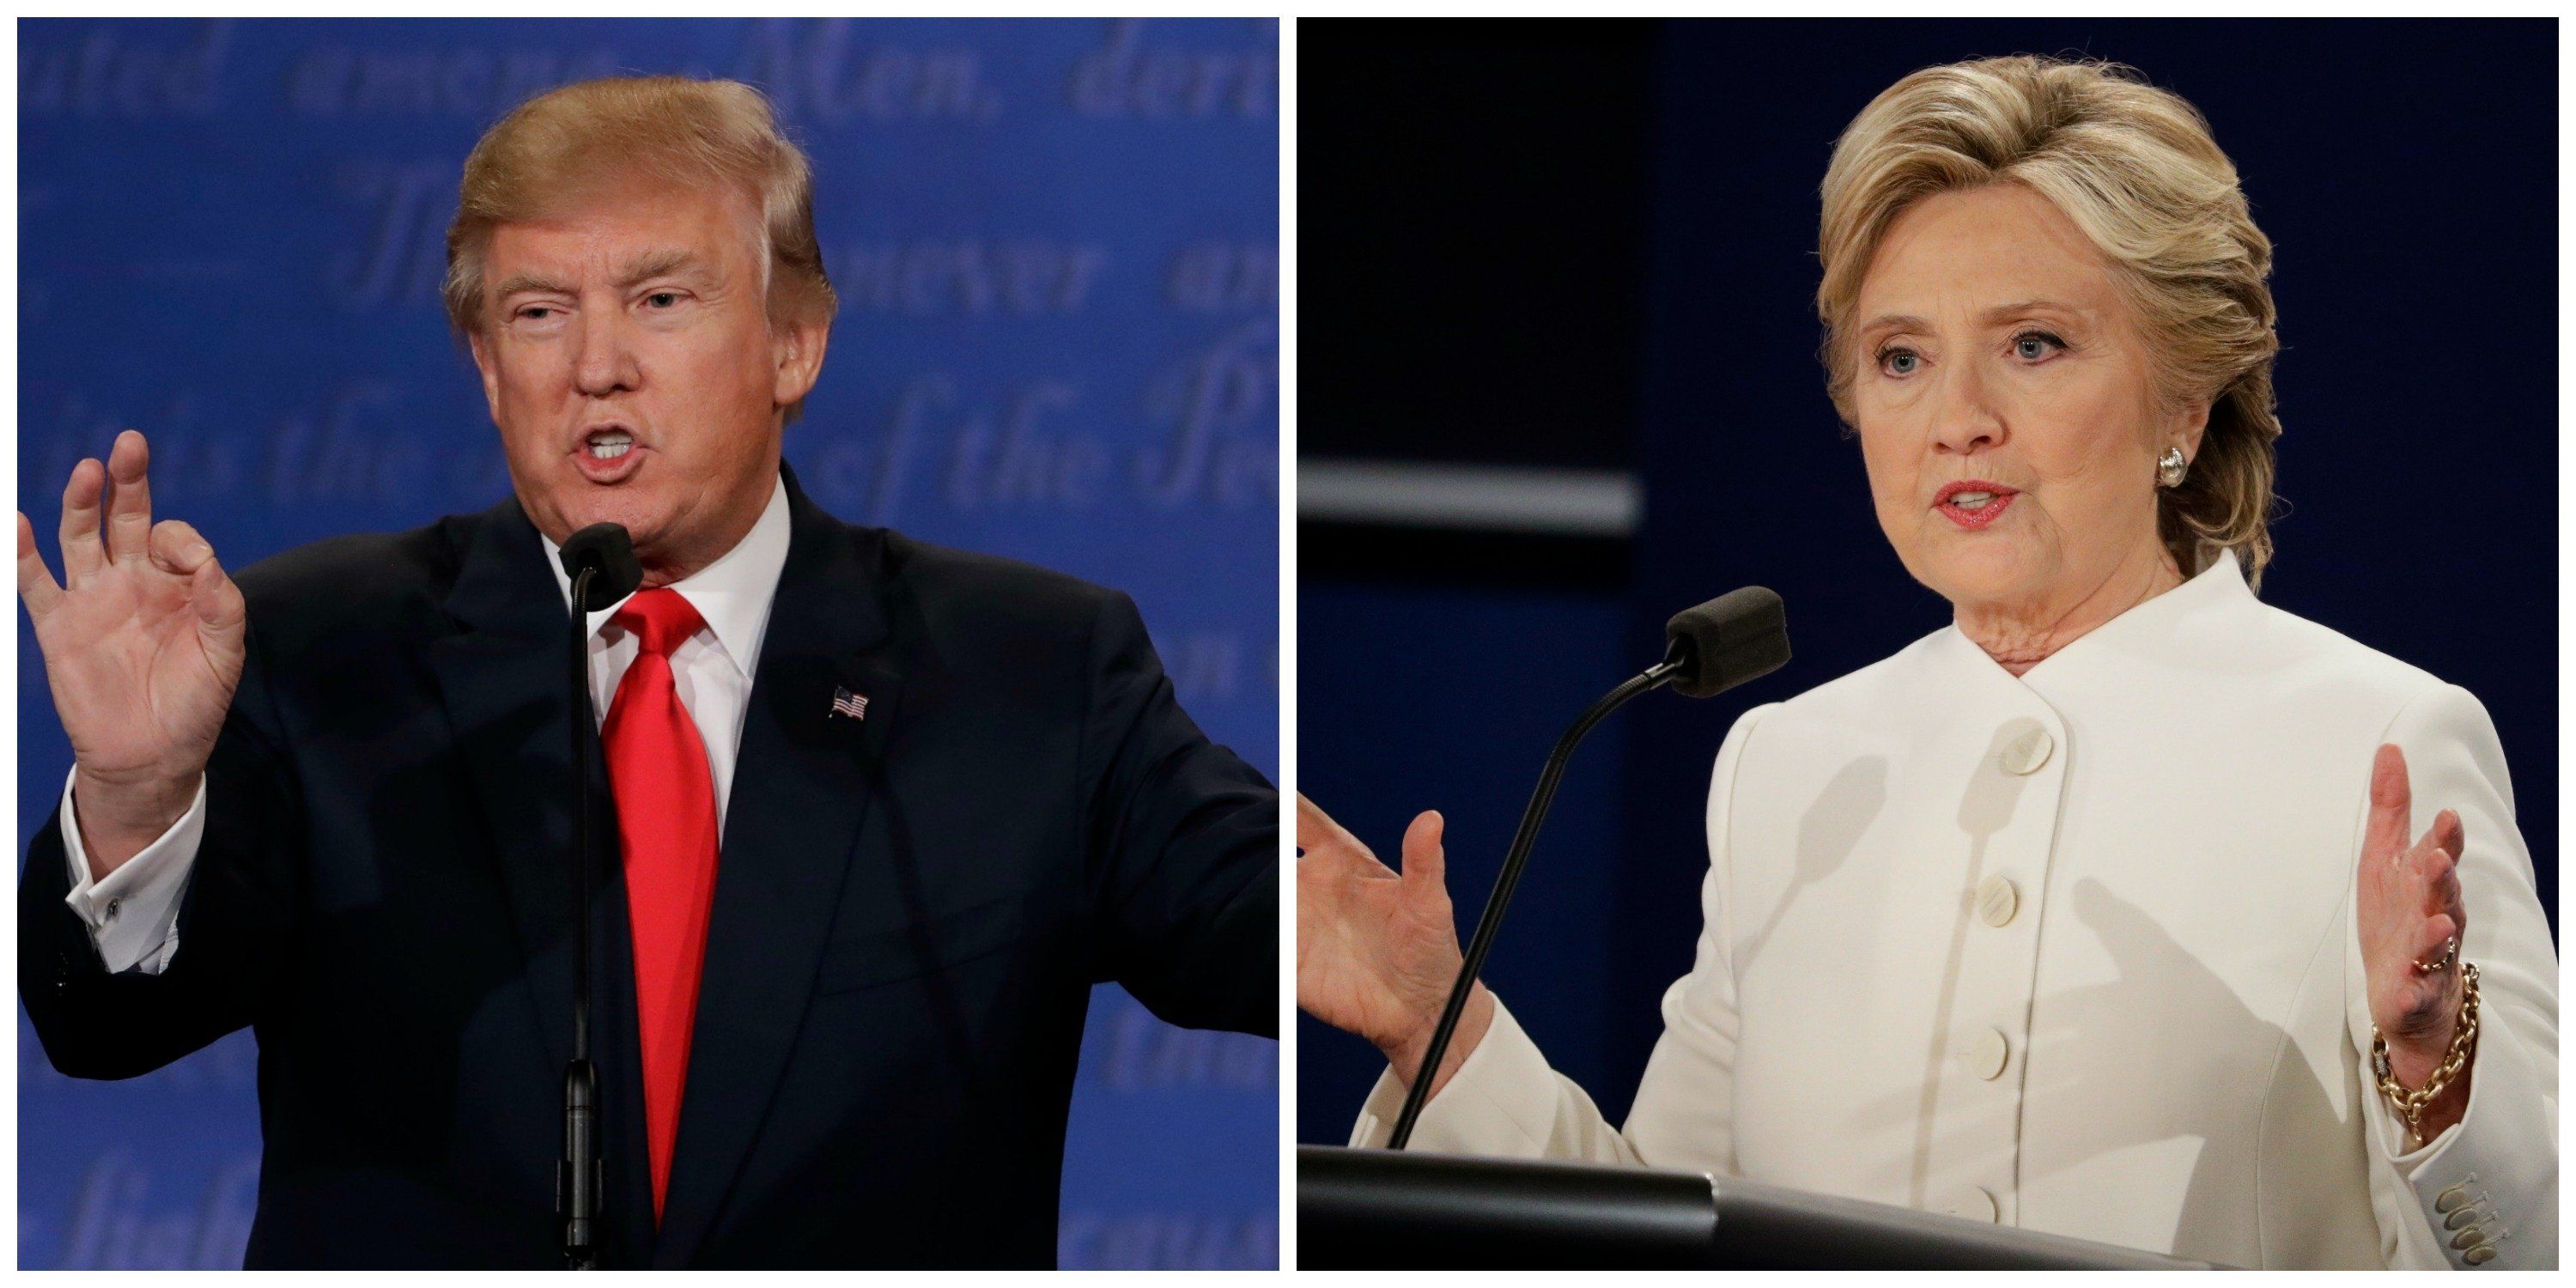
<point>1593,246</point>
<point>1056,247</point>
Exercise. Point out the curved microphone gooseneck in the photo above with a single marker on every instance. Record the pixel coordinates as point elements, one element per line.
<point>1738,636</point>
<point>600,559</point>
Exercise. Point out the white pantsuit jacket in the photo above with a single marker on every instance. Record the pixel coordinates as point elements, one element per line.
<point>2076,952</point>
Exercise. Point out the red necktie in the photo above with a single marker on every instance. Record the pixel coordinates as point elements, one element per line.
<point>666,820</point>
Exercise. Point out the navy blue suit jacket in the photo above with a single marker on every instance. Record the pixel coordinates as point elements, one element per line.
<point>910,909</point>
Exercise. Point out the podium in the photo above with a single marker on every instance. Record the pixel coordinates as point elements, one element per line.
<point>1374,1209</point>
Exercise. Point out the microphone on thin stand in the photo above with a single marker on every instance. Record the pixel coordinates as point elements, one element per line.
<point>1738,636</point>
<point>600,559</point>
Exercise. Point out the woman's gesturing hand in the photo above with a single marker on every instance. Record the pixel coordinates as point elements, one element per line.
<point>1378,951</point>
<point>143,646</point>
<point>2411,912</point>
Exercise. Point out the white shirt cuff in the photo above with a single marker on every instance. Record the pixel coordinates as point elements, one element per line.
<point>133,915</point>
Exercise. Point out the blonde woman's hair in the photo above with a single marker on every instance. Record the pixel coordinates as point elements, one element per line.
<point>576,142</point>
<point>2134,167</point>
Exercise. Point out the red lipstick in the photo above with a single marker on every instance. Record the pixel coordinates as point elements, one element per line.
<point>1979,516</point>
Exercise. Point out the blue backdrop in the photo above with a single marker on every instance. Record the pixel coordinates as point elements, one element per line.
<point>1056,245</point>
<point>2406,172</point>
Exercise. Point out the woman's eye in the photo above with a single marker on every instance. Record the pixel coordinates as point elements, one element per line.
<point>2031,346</point>
<point>1899,362</point>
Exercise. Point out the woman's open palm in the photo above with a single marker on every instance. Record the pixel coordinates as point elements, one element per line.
<point>1376,950</point>
<point>2411,911</point>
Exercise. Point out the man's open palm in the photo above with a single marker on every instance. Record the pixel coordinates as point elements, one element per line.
<point>143,640</point>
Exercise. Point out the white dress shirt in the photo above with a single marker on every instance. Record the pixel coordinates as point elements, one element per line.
<point>2076,951</point>
<point>133,913</point>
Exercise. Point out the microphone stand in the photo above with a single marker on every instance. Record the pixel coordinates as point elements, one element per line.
<point>579,1177</point>
<point>1654,677</point>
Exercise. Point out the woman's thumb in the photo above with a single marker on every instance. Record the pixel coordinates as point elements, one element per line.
<point>1425,861</point>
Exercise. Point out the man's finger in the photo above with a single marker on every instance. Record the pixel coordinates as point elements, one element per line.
<point>36,583</point>
<point>2392,805</point>
<point>177,547</point>
<point>129,505</point>
<point>83,552</point>
<point>221,612</point>
<point>1425,862</point>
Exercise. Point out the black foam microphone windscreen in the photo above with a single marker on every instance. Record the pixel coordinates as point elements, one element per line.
<point>605,548</point>
<point>1738,636</point>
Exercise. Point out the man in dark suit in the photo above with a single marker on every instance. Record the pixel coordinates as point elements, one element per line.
<point>880,813</point>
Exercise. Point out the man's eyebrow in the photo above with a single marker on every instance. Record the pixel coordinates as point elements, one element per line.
<point>643,268</point>
<point>659,263</point>
<point>518,282</point>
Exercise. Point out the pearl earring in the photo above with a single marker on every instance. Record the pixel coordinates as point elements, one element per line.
<point>2170,468</point>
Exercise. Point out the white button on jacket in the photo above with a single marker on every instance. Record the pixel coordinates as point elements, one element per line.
<point>2178,998</point>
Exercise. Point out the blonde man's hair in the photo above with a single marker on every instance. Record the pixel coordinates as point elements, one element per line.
<point>591,137</point>
<point>2134,167</point>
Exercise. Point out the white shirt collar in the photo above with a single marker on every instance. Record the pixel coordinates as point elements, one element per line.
<point>733,594</point>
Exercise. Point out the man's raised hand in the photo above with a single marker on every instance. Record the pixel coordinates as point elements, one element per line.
<point>143,643</point>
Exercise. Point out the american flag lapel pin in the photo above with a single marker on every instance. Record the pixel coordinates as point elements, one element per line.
<point>846,703</point>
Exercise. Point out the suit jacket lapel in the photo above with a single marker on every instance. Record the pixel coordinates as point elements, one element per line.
<point>503,678</point>
<point>801,787</point>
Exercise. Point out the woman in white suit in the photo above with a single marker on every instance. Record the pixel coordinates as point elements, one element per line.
<point>2101,911</point>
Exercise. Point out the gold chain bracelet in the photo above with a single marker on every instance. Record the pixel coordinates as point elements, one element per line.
<point>2411,1104</point>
